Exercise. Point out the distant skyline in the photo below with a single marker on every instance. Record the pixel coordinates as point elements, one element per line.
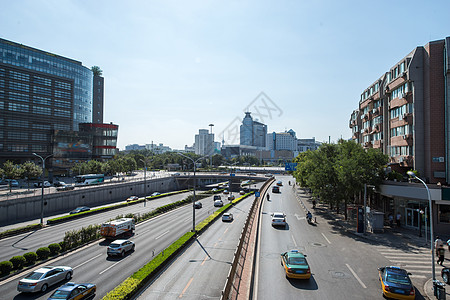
<point>172,68</point>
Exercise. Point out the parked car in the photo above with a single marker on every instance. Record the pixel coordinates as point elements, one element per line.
<point>395,283</point>
<point>445,273</point>
<point>74,291</point>
<point>79,210</point>
<point>295,265</point>
<point>59,183</point>
<point>217,197</point>
<point>227,217</point>
<point>231,197</point>
<point>66,187</point>
<point>226,192</point>
<point>242,192</point>
<point>12,182</point>
<point>39,184</point>
<point>42,278</point>
<point>120,247</point>
<point>279,183</point>
<point>155,194</point>
<point>176,174</point>
<point>132,198</point>
<point>218,203</point>
<point>197,204</point>
<point>275,189</point>
<point>278,219</point>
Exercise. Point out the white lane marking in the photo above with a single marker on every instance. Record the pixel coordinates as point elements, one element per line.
<point>356,276</point>
<point>162,234</point>
<point>294,241</point>
<point>326,238</point>
<point>87,261</point>
<point>109,267</point>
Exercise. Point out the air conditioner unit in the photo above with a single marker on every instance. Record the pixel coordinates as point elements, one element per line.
<point>404,137</point>
<point>400,159</point>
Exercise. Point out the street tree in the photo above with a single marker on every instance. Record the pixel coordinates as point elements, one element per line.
<point>96,71</point>
<point>30,170</point>
<point>11,171</point>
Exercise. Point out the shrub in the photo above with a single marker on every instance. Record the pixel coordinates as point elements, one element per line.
<point>5,267</point>
<point>43,253</point>
<point>30,257</point>
<point>54,249</point>
<point>18,262</point>
<point>62,245</point>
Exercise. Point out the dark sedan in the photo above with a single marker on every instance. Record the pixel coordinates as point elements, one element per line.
<point>79,210</point>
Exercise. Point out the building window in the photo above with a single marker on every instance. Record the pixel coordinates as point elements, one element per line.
<point>42,90</point>
<point>17,135</point>
<point>42,100</point>
<point>18,97</point>
<point>42,110</point>
<point>63,94</point>
<point>19,76</point>
<point>62,85</point>
<point>444,213</point>
<point>19,86</point>
<point>18,107</point>
<point>17,123</point>
<point>42,126</point>
<point>38,137</point>
<point>61,113</point>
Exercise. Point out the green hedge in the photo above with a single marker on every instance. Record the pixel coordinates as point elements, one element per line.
<point>31,258</point>
<point>18,262</point>
<point>54,249</point>
<point>5,267</point>
<point>43,253</point>
<point>106,208</point>
<point>19,230</point>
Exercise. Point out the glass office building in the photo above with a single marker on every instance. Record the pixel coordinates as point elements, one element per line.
<point>40,92</point>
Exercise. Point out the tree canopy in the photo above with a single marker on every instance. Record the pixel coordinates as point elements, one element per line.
<point>337,172</point>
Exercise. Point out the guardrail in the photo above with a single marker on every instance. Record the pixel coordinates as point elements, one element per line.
<point>234,278</point>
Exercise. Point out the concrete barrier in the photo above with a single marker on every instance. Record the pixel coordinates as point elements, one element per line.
<point>29,208</point>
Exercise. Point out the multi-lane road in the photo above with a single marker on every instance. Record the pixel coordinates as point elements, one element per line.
<point>343,266</point>
<point>92,265</point>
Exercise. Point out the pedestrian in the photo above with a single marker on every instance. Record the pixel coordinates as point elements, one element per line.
<point>399,218</point>
<point>391,220</point>
<point>441,254</point>
<point>438,244</point>
<point>314,203</point>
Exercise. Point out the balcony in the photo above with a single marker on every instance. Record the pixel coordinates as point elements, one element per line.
<point>378,144</point>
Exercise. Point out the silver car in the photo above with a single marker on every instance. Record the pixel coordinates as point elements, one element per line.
<point>119,247</point>
<point>278,219</point>
<point>42,278</point>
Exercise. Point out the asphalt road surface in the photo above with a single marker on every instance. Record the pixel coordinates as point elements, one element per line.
<point>342,266</point>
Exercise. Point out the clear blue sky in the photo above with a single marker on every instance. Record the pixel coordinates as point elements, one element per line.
<point>173,67</point>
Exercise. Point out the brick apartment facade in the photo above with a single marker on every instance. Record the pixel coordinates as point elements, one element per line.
<point>406,114</point>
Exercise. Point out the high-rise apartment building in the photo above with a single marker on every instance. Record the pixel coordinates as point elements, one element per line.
<point>282,141</point>
<point>405,113</point>
<point>204,142</point>
<point>252,133</point>
<point>43,99</point>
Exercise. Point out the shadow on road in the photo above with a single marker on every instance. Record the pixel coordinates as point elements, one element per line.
<point>304,284</point>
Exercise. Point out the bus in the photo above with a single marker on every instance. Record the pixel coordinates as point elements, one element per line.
<point>89,179</point>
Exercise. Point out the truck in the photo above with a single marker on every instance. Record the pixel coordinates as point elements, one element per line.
<point>118,227</point>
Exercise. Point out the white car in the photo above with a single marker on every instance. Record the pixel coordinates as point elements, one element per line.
<point>42,278</point>
<point>12,182</point>
<point>218,203</point>
<point>278,219</point>
<point>227,217</point>
<point>119,247</point>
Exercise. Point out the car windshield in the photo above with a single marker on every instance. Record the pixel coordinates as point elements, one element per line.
<point>278,216</point>
<point>397,278</point>
<point>296,261</point>
<point>58,294</point>
<point>34,276</point>
<point>114,245</point>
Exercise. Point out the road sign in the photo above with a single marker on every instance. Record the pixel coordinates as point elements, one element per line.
<point>257,194</point>
<point>290,167</point>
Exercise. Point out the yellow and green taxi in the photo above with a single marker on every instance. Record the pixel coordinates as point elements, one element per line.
<point>295,265</point>
<point>396,283</point>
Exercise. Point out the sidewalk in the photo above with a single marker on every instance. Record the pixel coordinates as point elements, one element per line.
<point>396,237</point>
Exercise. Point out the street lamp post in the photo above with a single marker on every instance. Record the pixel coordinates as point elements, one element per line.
<point>145,181</point>
<point>42,187</point>
<point>193,201</point>
<point>411,173</point>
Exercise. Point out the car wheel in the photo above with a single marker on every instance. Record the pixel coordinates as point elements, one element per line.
<point>68,276</point>
<point>44,288</point>
<point>122,253</point>
<point>445,277</point>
